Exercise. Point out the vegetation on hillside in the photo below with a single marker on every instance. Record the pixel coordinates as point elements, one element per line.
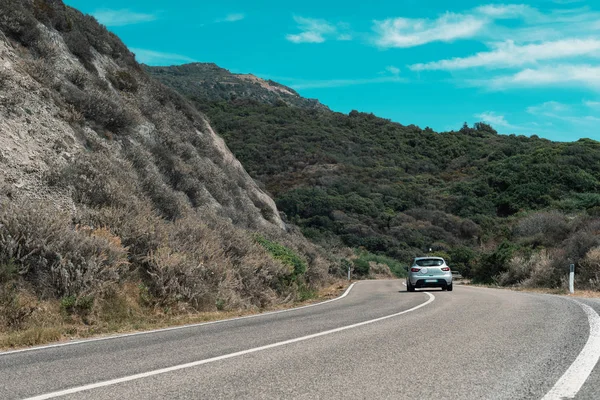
<point>137,212</point>
<point>402,191</point>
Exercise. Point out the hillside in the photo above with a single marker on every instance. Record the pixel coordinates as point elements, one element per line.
<point>366,182</point>
<point>210,82</point>
<point>118,201</point>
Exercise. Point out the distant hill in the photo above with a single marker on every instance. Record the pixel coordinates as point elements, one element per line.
<point>400,190</point>
<point>208,81</point>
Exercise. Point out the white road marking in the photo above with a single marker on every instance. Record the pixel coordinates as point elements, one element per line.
<point>219,358</point>
<point>574,378</point>
<point>174,328</point>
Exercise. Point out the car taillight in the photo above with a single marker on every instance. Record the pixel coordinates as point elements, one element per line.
<point>445,269</point>
<point>415,269</point>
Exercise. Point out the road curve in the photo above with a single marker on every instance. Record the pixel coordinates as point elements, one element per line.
<point>378,342</point>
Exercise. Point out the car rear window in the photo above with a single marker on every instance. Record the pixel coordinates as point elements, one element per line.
<point>429,262</point>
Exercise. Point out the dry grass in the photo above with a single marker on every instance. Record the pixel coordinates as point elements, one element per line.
<point>52,325</point>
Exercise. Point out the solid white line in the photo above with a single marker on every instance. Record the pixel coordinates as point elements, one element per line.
<point>219,358</point>
<point>574,378</point>
<point>174,328</point>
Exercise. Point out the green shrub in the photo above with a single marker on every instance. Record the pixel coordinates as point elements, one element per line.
<point>492,264</point>
<point>285,255</point>
<point>396,267</point>
<point>361,267</point>
<point>9,271</point>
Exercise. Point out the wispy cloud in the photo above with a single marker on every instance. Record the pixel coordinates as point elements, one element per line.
<point>572,114</point>
<point>318,31</point>
<point>393,70</point>
<point>560,75</point>
<point>592,104</point>
<point>500,11</point>
<point>231,18</point>
<point>549,108</point>
<point>152,57</point>
<point>494,119</point>
<point>122,17</point>
<point>509,54</point>
<point>551,48</point>
<point>487,23</point>
<point>408,32</point>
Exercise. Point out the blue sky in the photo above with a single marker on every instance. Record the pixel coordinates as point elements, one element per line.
<point>526,68</point>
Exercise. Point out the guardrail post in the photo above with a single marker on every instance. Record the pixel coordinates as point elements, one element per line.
<point>572,279</point>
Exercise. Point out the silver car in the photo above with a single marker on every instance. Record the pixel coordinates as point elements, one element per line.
<point>429,272</point>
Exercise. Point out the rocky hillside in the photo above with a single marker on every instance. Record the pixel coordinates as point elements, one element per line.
<point>110,180</point>
<point>208,81</point>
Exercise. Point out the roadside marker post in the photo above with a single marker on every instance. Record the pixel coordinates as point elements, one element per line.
<point>572,279</point>
<point>348,273</point>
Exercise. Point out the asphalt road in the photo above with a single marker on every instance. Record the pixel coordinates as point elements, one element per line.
<point>471,343</point>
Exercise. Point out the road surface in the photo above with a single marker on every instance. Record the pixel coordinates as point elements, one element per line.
<point>377,342</point>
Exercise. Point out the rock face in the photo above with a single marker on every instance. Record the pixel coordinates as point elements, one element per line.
<point>63,96</point>
<point>110,180</point>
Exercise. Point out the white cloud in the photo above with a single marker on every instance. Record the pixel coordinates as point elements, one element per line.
<point>592,104</point>
<point>122,17</point>
<point>559,75</point>
<point>572,114</point>
<point>509,54</point>
<point>152,57</point>
<point>232,18</point>
<point>492,118</point>
<point>407,32</point>
<point>393,70</point>
<point>547,108</point>
<point>317,31</point>
<point>499,11</point>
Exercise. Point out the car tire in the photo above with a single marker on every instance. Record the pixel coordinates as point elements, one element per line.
<point>449,287</point>
<point>409,287</point>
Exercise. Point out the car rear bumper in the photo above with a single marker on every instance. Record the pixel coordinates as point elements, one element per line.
<point>430,282</point>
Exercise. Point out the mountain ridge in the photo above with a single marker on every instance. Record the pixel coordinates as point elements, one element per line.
<point>208,80</point>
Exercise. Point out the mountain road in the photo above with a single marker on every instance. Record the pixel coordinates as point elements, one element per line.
<point>377,341</point>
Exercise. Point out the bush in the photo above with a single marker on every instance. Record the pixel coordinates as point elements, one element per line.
<point>96,179</point>
<point>394,265</point>
<point>101,108</point>
<point>361,267</point>
<point>534,270</point>
<point>18,22</point>
<point>4,77</point>
<point>543,228</point>
<point>284,254</point>
<point>77,77</point>
<point>40,71</point>
<point>588,273</point>
<point>80,47</point>
<point>52,255</point>
<point>123,80</point>
<point>492,264</point>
